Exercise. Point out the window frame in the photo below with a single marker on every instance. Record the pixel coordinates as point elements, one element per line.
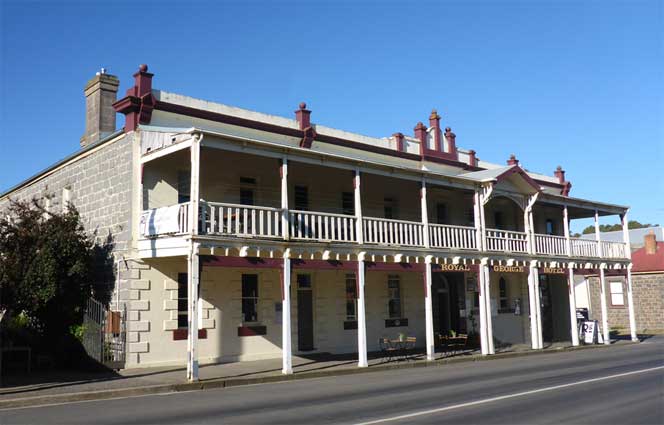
<point>621,293</point>
<point>184,186</point>
<point>255,299</point>
<point>503,295</point>
<point>351,282</point>
<point>395,280</point>
<point>348,203</point>
<point>298,197</point>
<point>183,286</point>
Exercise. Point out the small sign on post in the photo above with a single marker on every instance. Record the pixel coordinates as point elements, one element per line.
<point>589,331</point>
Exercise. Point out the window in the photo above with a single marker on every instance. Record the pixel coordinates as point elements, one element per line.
<point>351,297</point>
<point>247,186</point>
<point>301,198</point>
<point>441,213</point>
<point>549,227</point>
<point>348,203</point>
<point>617,297</point>
<point>250,298</point>
<point>66,199</point>
<point>183,301</point>
<point>184,186</point>
<point>502,288</point>
<point>390,208</point>
<point>303,281</point>
<point>394,295</point>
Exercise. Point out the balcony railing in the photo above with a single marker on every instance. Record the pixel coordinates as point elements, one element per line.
<point>506,241</point>
<point>550,244</point>
<point>240,220</point>
<point>455,237</point>
<point>250,221</point>
<point>385,231</point>
<point>309,225</point>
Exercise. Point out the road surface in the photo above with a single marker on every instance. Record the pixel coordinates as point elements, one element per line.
<point>620,385</point>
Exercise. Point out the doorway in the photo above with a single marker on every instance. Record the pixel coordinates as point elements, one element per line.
<point>546,308</point>
<point>305,313</point>
<point>447,300</point>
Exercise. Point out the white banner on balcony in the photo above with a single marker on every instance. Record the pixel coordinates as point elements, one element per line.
<point>159,221</point>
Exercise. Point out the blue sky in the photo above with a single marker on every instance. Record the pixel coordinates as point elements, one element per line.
<point>575,83</point>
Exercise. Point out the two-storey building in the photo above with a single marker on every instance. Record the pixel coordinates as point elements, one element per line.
<point>250,236</point>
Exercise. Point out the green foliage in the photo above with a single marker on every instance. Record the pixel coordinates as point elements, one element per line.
<point>632,224</point>
<point>77,331</point>
<point>47,267</point>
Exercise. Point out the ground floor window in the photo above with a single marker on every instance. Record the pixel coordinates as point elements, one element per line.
<point>183,301</point>
<point>502,288</point>
<point>250,297</point>
<point>351,297</point>
<point>394,296</point>
<point>617,297</point>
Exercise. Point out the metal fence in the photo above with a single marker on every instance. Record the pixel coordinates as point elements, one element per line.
<point>105,334</point>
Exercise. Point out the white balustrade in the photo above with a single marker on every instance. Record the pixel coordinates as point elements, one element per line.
<point>309,225</point>
<point>550,244</point>
<point>612,249</point>
<point>386,231</point>
<point>506,241</point>
<point>171,220</point>
<point>240,220</point>
<point>584,247</point>
<point>448,236</point>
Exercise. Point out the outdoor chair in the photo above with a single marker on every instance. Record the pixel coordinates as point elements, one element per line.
<point>387,349</point>
<point>452,345</point>
<point>409,347</point>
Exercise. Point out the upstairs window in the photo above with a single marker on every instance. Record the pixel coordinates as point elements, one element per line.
<point>390,208</point>
<point>498,221</point>
<point>549,227</point>
<point>348,203</point>
<point>441,213</point>
<point>351,297</point>
<point>250,297</point>
<point>184,186</point>
<point>394,297</point>
<point>301,194</point>
<point>247,186</point>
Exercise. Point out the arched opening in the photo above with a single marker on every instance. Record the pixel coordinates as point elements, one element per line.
<point>504,213</point>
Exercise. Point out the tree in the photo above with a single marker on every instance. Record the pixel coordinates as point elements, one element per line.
<point>631,224</point>
<point>47,268</point>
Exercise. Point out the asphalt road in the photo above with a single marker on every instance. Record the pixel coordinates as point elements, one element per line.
<point>620,385</point>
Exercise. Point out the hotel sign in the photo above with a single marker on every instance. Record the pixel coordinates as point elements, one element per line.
<point>553,270</point>
<point>509,269</point>
<point>455,267</point>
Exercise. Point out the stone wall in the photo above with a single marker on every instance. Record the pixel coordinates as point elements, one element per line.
<point>99,185</point>
<point>648,292</point>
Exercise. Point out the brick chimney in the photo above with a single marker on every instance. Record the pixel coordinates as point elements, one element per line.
<point>421,135</point>
<point>434,122</point>
<point>100,94</point>
<point>650,241</point>
<point>560,173</point>
<point>399,138</point>
<point>512,160</point>
<point>303,117</point>
<point>472,159</point>
<point>451,140</point>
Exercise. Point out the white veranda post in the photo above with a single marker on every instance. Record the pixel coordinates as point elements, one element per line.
<point>193,269</point>
<point>602,295</point>
<point>358,207</point>
<point>532,305</point>
<point>630,298</point>
<point>484,345</point>
<point>489,319</point>
<point>428,312</point>
<point>286,316</point>
<point>361,314</point>
<point>284,197</point>
<point>574,327</point>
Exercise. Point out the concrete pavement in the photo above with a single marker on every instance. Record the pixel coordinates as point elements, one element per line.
<point>624,384</point>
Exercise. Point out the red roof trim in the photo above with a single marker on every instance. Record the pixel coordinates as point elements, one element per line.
<point>518,170</point>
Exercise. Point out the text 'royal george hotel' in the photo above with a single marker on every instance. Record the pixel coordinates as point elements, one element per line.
<point>249,236</point>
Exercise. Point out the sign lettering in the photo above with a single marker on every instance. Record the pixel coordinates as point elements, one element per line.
<point>508,269</point>
<point>554,270</point>
<point>455,267</point>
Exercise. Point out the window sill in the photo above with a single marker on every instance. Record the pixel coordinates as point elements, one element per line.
<point>182,334</point>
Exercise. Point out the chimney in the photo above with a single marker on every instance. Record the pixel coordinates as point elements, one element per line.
<point>512,160</point>
<point>560,173</point>
<point>100,94</point>
<point>421,135</point>
<point>650,243</point>
<point>399,138</point>
<point>451,140</point>
<point>303,116</point>
<point>472,160</point>
<point>434,122</point>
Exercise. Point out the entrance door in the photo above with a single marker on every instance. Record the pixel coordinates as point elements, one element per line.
<point>546,309</point>
<point>444,311</point>
<point>305,313</point>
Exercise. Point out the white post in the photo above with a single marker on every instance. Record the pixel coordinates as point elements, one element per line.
<point>425,214</point>
<point>602,294</point>
<point>483,222</point>
<point>489,319</point>
<point>532,298</point>
<point>484,345</point>
<point>538,309</point>
<point>284,198</point>
<point>572,306</point>
<point>630,298</point>
<point>568,241</point>
<point>428,312</point>
<point>477,204</point>
<point>286,316</point>
<point>358,208</point>
<point>597,237</point>
<point>526,228</point>
<point>361,314</point>
<point>194,189</point>
<point>192,322</point>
